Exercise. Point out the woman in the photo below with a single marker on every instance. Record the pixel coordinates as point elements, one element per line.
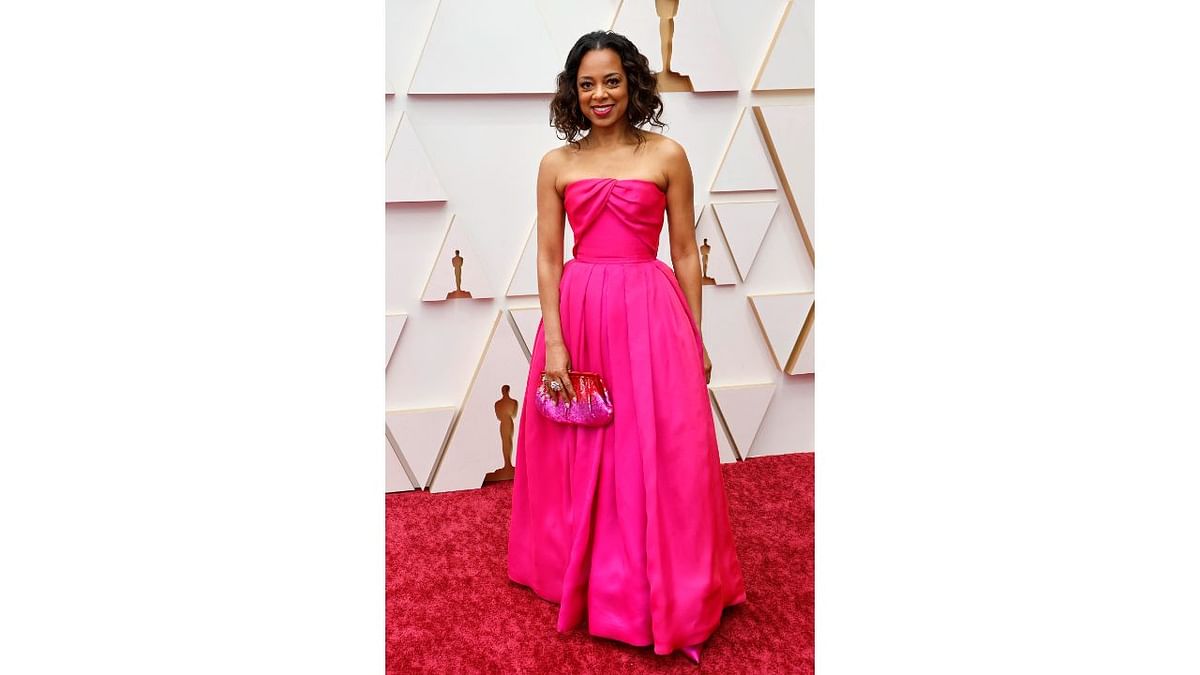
<point>627,524</point>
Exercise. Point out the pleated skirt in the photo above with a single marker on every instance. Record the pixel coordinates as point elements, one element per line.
<point>626,526</point>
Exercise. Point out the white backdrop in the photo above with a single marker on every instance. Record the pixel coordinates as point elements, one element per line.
<point>466,122</point>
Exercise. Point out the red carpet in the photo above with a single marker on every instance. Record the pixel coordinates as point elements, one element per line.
<point>452,609</point>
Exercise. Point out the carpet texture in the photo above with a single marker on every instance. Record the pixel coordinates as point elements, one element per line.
<point>452,609</point>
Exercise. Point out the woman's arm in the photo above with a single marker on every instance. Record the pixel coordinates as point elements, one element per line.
<point>550,222</point>
<point>681,218</point>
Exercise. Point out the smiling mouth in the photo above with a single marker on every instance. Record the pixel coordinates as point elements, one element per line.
<point>602,109</point>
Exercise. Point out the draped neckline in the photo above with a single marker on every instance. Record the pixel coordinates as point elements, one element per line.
<point>618,180</point>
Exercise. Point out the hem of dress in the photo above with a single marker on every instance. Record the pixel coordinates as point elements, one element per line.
<point>536,591</point>
<point>660,649</point>
<point>701,636</point>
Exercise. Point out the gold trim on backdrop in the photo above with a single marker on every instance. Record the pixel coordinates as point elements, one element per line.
<point>762,67</point>
<point>389,411</point>
<point>392,140</point>
<point>462,405</point>
<point>612,23</point>
<point>737,125</point>
<point>724,424</point>
<point>512,278</point>
<point>725,238</point>
<point>744,454</point>
<point>512,323</point>
<point>441,447</point>
<point>424,43</point>
<point>762,326</point>
<point>395,448</point>
<point>437,260</point>
<point>721,226</point>
<point>391,353</point>
<point>783,180</point>
<point>800,340</point>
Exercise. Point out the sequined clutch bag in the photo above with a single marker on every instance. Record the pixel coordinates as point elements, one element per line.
<point>592,406</point>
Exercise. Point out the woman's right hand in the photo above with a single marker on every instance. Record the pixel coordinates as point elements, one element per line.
<point>558,362</point>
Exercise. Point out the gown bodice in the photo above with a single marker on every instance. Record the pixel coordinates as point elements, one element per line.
<point>614,219</point>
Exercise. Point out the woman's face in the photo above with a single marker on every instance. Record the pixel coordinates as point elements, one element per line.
<point>603,92</point>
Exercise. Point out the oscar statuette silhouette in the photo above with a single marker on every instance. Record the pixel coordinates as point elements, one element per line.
<point>458,291</point>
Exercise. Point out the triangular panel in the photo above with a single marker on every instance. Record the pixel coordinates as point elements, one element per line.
<point>419,435</point>
<point>489,416</point>
<point>788,425</point>
<point>718,265</point>
<point>745,224</point>
<point>524,278</point>
<point>700,55</point>
<point>781,317</point>
<point>458,270</point>
<point>394,323</point>
<point>406,25</point>
<point>395,479</point>
<point>408,173</point>
<point>393,112</point>
<point>566,20</point>
<point>789,63</point>
<point>790,135</point>
<point>700,50</point>
<point>805,360</point>
<point>724,445</point>
<point>747,164</point>
<point>527,320</point>
<point>520,58</point>
<point>743,407</point>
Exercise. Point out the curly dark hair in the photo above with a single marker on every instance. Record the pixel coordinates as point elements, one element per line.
<point>645,106</point>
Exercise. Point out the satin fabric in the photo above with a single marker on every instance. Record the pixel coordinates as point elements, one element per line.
<point>625,526</point>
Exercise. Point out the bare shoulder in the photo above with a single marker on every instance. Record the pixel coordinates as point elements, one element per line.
<point>668,148</point>
<point>668,145</point>
<point>553,158</point>
<point>670,155</point>
<point>551,165</point>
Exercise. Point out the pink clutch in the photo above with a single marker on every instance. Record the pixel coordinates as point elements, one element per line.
<point>591,408</point>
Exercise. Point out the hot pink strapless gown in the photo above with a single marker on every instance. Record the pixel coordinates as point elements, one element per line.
<point>627,524</point>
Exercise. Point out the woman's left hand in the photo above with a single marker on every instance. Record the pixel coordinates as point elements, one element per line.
<point>707,368</point>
